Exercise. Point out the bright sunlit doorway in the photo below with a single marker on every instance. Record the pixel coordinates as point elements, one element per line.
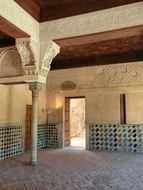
<point>74,132</point>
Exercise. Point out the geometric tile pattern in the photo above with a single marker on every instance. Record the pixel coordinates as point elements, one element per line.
<point>11,140</point>
<point>116,137</point>
<point>47,136</point>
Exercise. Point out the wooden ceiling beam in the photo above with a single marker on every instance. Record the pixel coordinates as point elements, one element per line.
<point>102,36</point>
<point>31,7</point>
<point>11,30</point>
<point>43,10</point>
<point>125,57</point>
<point>79,7</point>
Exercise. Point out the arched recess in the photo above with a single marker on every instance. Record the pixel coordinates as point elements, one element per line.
<point>10,63</point>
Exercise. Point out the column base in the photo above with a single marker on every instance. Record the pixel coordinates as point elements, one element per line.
<point>33,163</point>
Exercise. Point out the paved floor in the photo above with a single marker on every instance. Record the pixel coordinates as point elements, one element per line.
<point>73,169</point>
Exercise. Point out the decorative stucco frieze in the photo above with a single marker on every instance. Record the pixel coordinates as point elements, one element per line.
<point>119,75</point>
<point>52,50</point>
<point>30,70</point>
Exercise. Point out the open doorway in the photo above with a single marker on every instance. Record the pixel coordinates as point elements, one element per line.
<point>74,132</point>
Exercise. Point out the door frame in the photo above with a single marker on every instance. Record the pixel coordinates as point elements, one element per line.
<point>25,126</point>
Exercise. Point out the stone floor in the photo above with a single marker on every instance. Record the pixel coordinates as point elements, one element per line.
<point>73,169</point>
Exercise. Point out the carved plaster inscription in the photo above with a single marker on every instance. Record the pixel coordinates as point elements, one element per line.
<point>119,75</point>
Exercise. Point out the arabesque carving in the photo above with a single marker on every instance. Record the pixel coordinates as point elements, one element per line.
<point>26,68</point>
<point>52,50</point>
<point>25,52</point>
<point>10,63</point>
<point>119,75</point>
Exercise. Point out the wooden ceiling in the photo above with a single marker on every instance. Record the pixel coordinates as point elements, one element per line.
<point>46,10</point>
<point>119,46</point>
<point>9,32</point>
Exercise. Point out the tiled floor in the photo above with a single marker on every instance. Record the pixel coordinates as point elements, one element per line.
<point>73,169</point>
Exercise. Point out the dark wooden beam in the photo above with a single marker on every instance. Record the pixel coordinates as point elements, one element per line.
<point>79,7</point>
<point>102,36</point>
<point>11,30</point>
<point>7,42</point>
<point>125,57</point>
<point>31,7</point>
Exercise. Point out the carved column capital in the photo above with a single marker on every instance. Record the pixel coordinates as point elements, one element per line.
<point>52,50</point>
<point>35,87</point>
<point>24,49</point>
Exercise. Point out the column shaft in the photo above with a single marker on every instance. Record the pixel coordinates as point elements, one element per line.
<point>34,127</point>
<point>35,88</point>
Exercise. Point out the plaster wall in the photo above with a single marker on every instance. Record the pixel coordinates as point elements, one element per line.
<point>102,108</point>
<point>101,86</point>
<point>134,107</point>
<point>55,108</point>
<point>13,100</point>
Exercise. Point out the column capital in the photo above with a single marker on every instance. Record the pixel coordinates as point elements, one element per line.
<point>35,87</point>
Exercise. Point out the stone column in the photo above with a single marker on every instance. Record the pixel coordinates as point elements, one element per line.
<point>35,88</point>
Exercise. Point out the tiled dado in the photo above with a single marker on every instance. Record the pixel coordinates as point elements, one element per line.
<point>48,136</point>
<point>11,140</point>
<point>116,137</point>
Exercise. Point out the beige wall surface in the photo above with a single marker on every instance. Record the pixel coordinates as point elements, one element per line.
<point>12,103</point>
<point>13,100</point>
<point>102,108</point>
<point>101,86</point>
<point>134,107</point>
<point>55,108</point>
<point>102,99</point>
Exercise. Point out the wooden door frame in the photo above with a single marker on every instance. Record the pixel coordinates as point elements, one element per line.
<point>27,105</point>
<point>72,97</point>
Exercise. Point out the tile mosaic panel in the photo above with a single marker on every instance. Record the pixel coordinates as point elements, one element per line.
<point>47,136</point>
<point>11,140</point>
<point>116,137</point>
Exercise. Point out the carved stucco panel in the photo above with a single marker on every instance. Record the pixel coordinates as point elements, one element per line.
<point>51,50</point>
<point>26,54</point>
<point>10,63</point>
<point>119,75</point>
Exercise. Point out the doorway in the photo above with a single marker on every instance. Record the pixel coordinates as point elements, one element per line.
<point>74,130</point>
